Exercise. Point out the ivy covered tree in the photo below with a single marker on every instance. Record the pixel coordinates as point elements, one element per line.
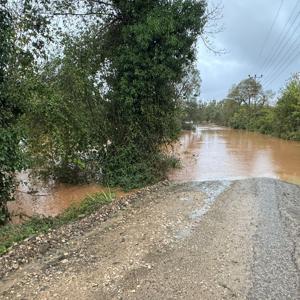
<point>125,63</point>
<point>9,113</point>
<point>149,48</point>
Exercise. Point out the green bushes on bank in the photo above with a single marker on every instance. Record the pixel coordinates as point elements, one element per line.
<point>247,107</point>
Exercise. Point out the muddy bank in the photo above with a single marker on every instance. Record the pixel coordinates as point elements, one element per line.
<point>194,240</point>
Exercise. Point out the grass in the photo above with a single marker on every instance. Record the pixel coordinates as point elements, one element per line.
<point>11,234</point>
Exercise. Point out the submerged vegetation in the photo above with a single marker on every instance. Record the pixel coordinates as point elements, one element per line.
<point>96,87</point>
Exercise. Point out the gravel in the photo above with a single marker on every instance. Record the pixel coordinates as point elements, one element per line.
<point>244,246</point>
<point>37,246</point>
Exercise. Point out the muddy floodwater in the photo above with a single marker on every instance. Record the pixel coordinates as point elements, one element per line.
<point>35,198</point>
<point>209,153</point>
<point>213,152</point>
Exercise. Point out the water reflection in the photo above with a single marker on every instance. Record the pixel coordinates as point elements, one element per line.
<point>222,153</point>
<point>36,198</point>
<point>208,153</point>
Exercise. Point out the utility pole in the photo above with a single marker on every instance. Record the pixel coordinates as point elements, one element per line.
<point>255,88</point>
<point>255,77</point>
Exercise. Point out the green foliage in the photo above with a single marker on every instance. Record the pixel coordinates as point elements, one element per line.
<point>246,107</point>
<point>14,63</point>
<point>240,119</point>
<point>155,44</point>
<point>10,234</point>
<point>129,168</point>
<point>105,109</point>
<point>287,112</point>
<point>64,123</point>
<point>188,91</point>
<point>265,121</point>
<point>9,112</point>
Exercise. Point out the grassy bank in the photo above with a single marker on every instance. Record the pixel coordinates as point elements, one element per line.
<point>10,234</point>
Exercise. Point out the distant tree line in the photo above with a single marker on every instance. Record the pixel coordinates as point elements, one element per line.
<point>247,106</point>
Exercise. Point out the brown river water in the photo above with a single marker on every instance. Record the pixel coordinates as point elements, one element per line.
<point>209,153</point>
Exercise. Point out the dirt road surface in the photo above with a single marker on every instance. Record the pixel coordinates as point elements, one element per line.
<point>194,240</point>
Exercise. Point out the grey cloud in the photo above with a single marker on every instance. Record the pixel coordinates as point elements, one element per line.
<point>247,23</point>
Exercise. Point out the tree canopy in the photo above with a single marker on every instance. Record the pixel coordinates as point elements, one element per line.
<point>102,107</point>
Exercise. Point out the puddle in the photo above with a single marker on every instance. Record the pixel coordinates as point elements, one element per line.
<point>211,190</point>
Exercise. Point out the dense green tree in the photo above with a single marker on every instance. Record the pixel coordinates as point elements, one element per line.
<point>9,112</point>
<point>287,112</point>
<point>120,85</point>
<point>149,49</point>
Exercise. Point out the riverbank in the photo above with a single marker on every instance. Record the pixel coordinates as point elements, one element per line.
<point>208,240</point>
<point>20,243</point>
<point>11,234</point>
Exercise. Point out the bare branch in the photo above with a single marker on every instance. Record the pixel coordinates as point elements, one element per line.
<point>213,27</point>
<point>210,47</point>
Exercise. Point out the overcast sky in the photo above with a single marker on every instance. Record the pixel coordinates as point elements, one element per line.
<point>253,46</point>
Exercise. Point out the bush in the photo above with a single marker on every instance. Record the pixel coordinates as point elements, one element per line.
<point>287,111</point>
<point>129,169</point>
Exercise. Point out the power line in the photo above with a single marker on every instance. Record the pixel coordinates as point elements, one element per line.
<point>282,37</point>
<point>282,52</point>
<point>284,59</point>
<point>289,62</point>
<point>281,47</point>
<point>270,30</point>
<point>284,67</point>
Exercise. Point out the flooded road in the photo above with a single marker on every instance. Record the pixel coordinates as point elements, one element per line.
<point>209,153</point>
<point>213,153</point>
<point>214,239</point>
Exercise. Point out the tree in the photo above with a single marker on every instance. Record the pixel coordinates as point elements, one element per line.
<point>17,27</point>
<point>149,48</point>
<point>65,117</point>
<point>188,91</point>
<point>245,104</point>
<point>10,110</point>
<point>248,92</point>
<point>246,107</point>
<point>287,111</point>
<point>115,89</point>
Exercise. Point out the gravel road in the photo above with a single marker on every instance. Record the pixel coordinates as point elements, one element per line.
<point>195,240</point>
